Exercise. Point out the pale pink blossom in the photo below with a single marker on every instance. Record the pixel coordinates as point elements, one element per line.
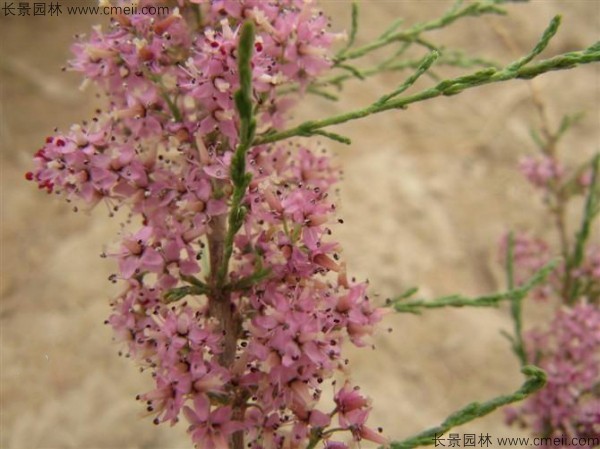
<point>569,352</point>
<point>161,152</point>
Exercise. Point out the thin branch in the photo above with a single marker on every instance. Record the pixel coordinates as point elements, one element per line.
<point>516,303</point>
<point>445,88</point>
<point>416,306</point>
<point>549,33</point>
<point>175,294</point>
<point>591,209</point>
<point>536,379</point>
<point>452,58</point>
<point>391,36</point>
<point>260,273</point>
<point>353,30</point>
<point>239,177</point>
<point>423,67</point>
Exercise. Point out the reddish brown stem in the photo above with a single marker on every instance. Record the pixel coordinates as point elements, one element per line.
<point>222,308</point>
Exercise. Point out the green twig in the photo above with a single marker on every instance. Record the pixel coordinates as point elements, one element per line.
<point>353,70</point>
<point>536,379</point>
<point>450,58</point>
<point>392,28</point>
<point>164,93</point>
<point>353,31</point>
<point>516,304</point>
<point>445,88</point>
<point>239,177</point>
<point>454,58</point>
<point>319,92</point>
<point>424,65</point>
<point>407,294</point>
<point>333,136</point>
<point>566,123</point>
<point>591,209</point>
<point>175,294</point>
<point>391,35</point>
<point>244,283</point>
<point>195,282</point>
<point>549,33</point>
<point>415,306</point>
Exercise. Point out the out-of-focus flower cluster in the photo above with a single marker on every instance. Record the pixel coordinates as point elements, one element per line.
<point>542,171</point>
<point>529,255</point>
<point>248,360</point>
<point>569,351</point>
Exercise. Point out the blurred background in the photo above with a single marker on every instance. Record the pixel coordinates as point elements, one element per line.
<point>426,196</point>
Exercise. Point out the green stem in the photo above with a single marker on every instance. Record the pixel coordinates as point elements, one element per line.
<point>445,88</point>
<point>516,303</point>
<point>175,112</point>
<point>171,104</point>
<point>450,58</point>
<point>423,66</point>
<point>591,209</point>
<point>455,13</point>
<point>454,58</point>
<point>239,177</point>
<point>536,379</point>
<point>415,306</point>
<point>353,30</point>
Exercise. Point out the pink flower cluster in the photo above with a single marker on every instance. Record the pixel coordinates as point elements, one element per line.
<point>542,171</point>
<point>244,362</point>
<point>569,352</point>
<point>530,254</point>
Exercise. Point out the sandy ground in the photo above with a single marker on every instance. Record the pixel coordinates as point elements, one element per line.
<point>426,195</point>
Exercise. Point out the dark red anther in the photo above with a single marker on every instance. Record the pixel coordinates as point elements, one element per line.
<point>258,46</point>
<point>41,154</point>
<point>60,143</point>
<point>48,185</point>
<point>29,176</point>
<point>49,139</point>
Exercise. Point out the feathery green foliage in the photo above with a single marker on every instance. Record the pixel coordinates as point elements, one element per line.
<point>536,379</point>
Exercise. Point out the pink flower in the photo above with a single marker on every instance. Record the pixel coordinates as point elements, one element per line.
<point>249,356</point>
<point>349,401</point>
<point>569,352</point>
<point>138,256</point>
<point>210,430</point>
<point>530,254</point>
<point>353,410</point>
<point>335,445</point>
<point>542,171</point>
